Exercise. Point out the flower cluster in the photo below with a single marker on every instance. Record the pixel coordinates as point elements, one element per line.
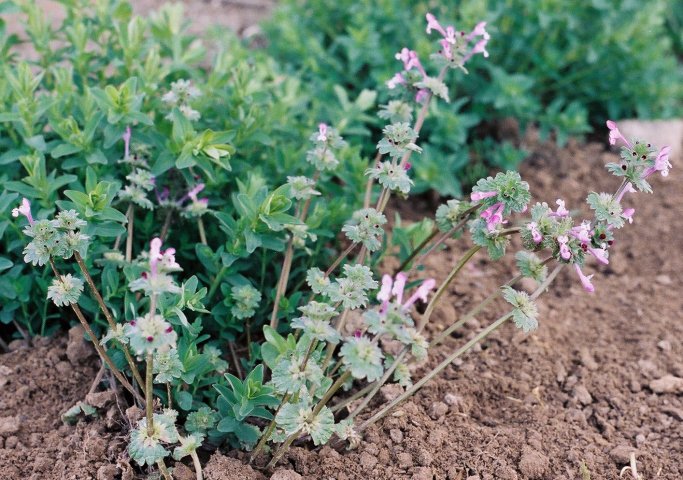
<point>141,181</point>
<point>149,334</point>
<point>457,48</point>
<point>196,207</point>
<point>245,300</point>
<point>58,238</point>
<point>157,279</point>
<point>146,448</point>
<point>65,290</point>
<point>366,227</point>
<point>181,96</point>
<point>327,142</point>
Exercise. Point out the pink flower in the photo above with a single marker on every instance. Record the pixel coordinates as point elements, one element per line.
<point>628,188</point>
<point>422,293</point>
<point>662,163</point>
<point>399,286</point>
<point>422,95</point>
<point>448,33</point>
<point>585,280</point>
<point>446,49</point>
<point>600,254</point>
<point>494,216</point>
<point>477,196</point>
<point>126,142</point>
<point>615,134</point>
<point>535,232</point>
<point>582,232</point>
<point>410,60</point>
<point>395,81</point>
<point>154,255</point>
<point>193,193</point>
<point>23,209</point>
<point>565,252</point>
<point>395,288</point>
<point>479,47</point>
<point>479,31</point>
<point>628,214</point>
<point>322,132</point>
<point>561,211</point>
<point>407,166</point>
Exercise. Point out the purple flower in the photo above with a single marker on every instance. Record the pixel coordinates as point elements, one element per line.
<point>561,211</point>
<point>479,47</point>
<point>600,254</point>
<point>395,288</point>
<point>395,81</point>
<point>322,132</point>
<point>448,33</point>
<point>479,31</point>
<point>628,188</point>
<point>662,163</point>
<point>422,293</point>
<point>23,209</point>
<point>628,214</point>
<point>582,232</point>
<point>585,280</point>
<point>126,142</point>
<point>615,134</point>
<point>494,216</point>
<point>422,95</point>
<point>565,252</point>
<point>410,60</point>
<point>477,196</point>
<point>193,193</point>
<point>535,232</point>
<point>154,255</point>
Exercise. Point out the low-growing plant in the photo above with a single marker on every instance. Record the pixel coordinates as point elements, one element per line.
<point>281,276</point>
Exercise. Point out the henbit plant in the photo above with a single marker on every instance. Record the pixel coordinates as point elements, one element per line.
<point>341,338</point>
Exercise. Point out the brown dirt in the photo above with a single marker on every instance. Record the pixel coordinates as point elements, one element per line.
<point>601,377</point>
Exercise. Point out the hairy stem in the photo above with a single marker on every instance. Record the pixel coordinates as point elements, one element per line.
<point>99,348</point>
<point>164,470</point>
<point>282,282</point>
<point>107,315</point>
<point>197,465</point>
<point>149,395</point>
<point>271,426</point>
<point>202,232</point>
<point>166,226</point>
<point>436,370</point>
<point>216,283</point>
<point>418,249</point>
<point>130,215</point>
<point>340,258</point>
<point>444,286</point>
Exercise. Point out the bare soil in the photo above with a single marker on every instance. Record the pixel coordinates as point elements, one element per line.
<point>601,378</point>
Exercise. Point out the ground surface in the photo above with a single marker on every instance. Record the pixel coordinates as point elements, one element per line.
<point>585,388</point>
<point>589,387</point>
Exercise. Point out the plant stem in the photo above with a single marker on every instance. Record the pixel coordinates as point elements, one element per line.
<point>99,348</point>
<point>149,395</point>
<point>168,393</point>
<point>164,470</point>
<point>216,283</point>
<point>166,226</point>
<point>417,249</point>
<point>282,282</point>
<point>107,315</point>
<point>316,410</point>
<point>130,214</point>
<point>339,259</point>
<point>197,465</point>
<point>436,370</point>
<point>271,426</point>
<point>202,232</point>
<point>370,183</point>
<point>444,286</point>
